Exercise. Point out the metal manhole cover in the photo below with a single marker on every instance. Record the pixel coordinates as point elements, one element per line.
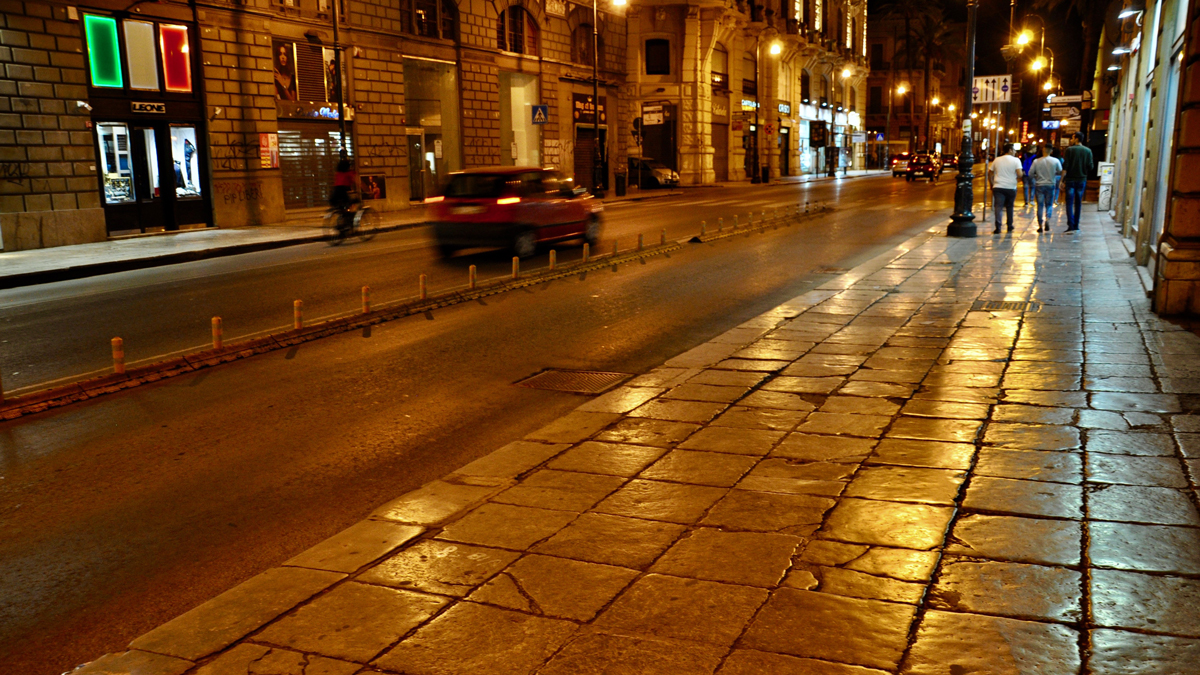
<point>997,306</point>
<point>575,381</point>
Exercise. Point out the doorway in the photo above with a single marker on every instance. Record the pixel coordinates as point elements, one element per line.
<point>152,176</point>
<point>720,143</point>
<point>586,149</point>
<point>785,151</point>
<point>416,167</point>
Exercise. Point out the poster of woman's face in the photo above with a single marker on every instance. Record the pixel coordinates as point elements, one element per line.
<point>285,70</point>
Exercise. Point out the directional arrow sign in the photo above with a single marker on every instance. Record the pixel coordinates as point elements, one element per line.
<point>992,89</point>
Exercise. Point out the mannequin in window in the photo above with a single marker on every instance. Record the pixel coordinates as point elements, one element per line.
<point>188,151</point>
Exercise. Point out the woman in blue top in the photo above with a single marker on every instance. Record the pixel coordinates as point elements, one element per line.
<point>1026,163</point>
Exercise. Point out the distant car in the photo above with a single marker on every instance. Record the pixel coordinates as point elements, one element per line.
<point>949,159</point>
<point>923,165</point>
<point>900,164</point>
<point>512,207</point>
<point>650,173</point>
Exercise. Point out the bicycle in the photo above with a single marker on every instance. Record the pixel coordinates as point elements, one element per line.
<point>356,220</point>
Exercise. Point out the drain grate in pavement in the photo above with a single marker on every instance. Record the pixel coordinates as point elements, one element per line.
<point>575,381</point>
<point>997,306</point>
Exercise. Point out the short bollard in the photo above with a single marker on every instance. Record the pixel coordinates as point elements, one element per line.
<point>366,299</point>
<point>298,314</point>
<point>517,266</point>
<point>586,252</point>
<point>217,333</point>
<point>806,207</point>
<point>641,241</point>
<point>615,249</point>
<point>703,227</point>
<point>721,224</point>
<point>421,292</point>
<point>471,277</point>
<point>118,349</point>
<point>662,238</point>
<point>553,259</point>
<point>735,221</point>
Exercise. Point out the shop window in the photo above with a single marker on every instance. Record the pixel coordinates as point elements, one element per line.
<point>658,56</point>
<point>104,57</point>
<point>749,74</point>
<point>186,163</point>
<point>517,31</point>
<point>150,146</point>
<point>581,45</point>
<point>805,86</point>
<point>139,53</point>
<point>116,166</point>
<point>720,68</point>
<point>177,71</point>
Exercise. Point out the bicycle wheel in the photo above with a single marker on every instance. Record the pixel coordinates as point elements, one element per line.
<point>366,223</point>
<point>331,222</point>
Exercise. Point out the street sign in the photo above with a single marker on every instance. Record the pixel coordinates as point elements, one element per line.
<point>541,114</point>
<point>1065,112</point>
<point>652,115</point>
<point>992,89</point>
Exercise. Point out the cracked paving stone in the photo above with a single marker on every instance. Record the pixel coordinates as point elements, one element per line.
<point>772,352</point>
<point>979,396</point>
<point>1015,590</point>
<point>946,409</point>
<point>1029,540</point>
<point>862,521</point>
<point>841,424</point>
<point>750,511</point>
<point>441,567</point>
<point>679,411</point>
<point>555,587</point>
<point>1032,414</point>
<point>733,441</point>
<point>1134,470</point>
<point>1141,504</point>
<point>1118,652</point>
<point>505,526</point>
<point>753,662</point>
<point>778,400</point>
<point>814,448</point>
<point>859,405</point>
<point>930,454</point>
<point>612,459</point>
<point>897,563</point>
<point>700,468</point>
<point>474,638</point>
<point>949,642</point>
<point>764,419</point>
<point>685,609</point>
<point>1102,419</point>
<point>932,429</point>
<point>877,389</point>
<point>1190,444</point>
<point>727,378</point>
<point>656,500</point>
<point>1032,437</point>
<point>1058,399</point>
<point>755,365</point>
<point>1151,403</point>
<point>746,558</point>
<point>831,553</point>
<point>706,392</point>
<point>1040,465</point>
<point>560,490</point>
<point>906,484</point>
<point>612,540</point>
<point>1130,443</point>
<point>1145,602</point>
<point>1039,381</point>
<point>1024,497</point>
<point>802,369</point>
<point>599,653</point>
<point>849,630</point>
<point>1145,548</point>
<point>804,385</point>
<point>248,658</point>
<point>353,621</point>
<point>657,433</point>
<point>854,584</point>
<point>798,477</point>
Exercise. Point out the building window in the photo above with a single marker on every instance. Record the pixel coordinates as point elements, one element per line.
<point>658,56</point>
<point>749,74</point>
<point>581,45</point>
<point>720,68</point>
<point>517,31</point>
<point>853,100</point>
<point>877,57</point>
<point>805,86</point>
<point>430,18</point>
<point>875,103</point>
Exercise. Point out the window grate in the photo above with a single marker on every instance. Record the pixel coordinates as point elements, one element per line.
<point>575,381</point>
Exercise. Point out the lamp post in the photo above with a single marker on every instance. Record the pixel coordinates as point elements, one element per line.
<point>597,177</point>
<point>962,223</point>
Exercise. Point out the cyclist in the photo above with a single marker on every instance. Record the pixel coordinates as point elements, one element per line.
<point>342,197</point>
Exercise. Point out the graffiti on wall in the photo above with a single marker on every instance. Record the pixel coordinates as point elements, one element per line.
<point>237,192</point>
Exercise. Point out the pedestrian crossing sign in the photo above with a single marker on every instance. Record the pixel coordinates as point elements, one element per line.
<point>541,113</point>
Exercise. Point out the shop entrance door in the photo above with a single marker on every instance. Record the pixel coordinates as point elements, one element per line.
<point>416,167</point>
<point>585,150</point>
<point>785,151</point>
<point>720,143</point>
<point>152,176</point>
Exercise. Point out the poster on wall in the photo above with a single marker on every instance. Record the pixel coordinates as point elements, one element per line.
<point>328,56</point>
<point>268,150</point>
<point>284,56</point>
<point>373,187</point>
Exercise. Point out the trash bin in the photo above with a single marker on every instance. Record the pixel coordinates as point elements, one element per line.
<point>621,178</point>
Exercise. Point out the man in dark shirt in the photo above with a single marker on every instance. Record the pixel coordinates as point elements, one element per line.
<point>1077,164</point>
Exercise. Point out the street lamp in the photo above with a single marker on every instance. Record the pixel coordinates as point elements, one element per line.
<point>962,222</point>
<point>597,179</point>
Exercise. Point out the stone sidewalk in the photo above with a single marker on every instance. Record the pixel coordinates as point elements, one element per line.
<point>907,470</point>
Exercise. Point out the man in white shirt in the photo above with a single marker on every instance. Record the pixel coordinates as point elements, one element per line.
<point>1005,174</point>
<point>1045,171</point>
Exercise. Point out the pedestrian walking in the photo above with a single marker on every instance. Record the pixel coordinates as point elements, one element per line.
<point>1057,155</point>
<point>1005,174</point>
<point>1026,162</point>
<point>1044,173</point>
<point>1077,164</point>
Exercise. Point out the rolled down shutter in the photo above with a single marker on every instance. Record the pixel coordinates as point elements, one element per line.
<point>308,157</point>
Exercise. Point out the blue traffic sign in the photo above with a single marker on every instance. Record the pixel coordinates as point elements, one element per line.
<point>541,114</point>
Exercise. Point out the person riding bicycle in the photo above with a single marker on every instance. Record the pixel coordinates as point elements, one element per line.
<point>342,197</point>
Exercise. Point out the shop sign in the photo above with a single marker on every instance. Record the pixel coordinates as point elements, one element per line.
<point>785,108</point>
<point>541,114</point>
<point>720,110</point>
<point>858,137</point>
<point>556,8</point>
<point>437,148</point>
<point>320,111</point>
<point>584,110</point>
<point>268,150</point>
<point>808,112</point>
<point>652,115</point>
<point>152,108</point>
<point>747,104</point>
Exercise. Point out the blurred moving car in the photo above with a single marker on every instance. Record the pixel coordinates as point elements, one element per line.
<point>923,165</point>
<point>646,172</point>
<point>513,207</point>
<point>950,160</point>
<point>900,164</point>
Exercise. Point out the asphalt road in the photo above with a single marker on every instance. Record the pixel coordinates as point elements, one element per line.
<point>120,513</point>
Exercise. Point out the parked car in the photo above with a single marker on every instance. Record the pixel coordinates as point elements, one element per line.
<point>950,160</point>
<point>513,207</point>
<point>646,172</point>
<point>923,165</point>
<point>900,164</point>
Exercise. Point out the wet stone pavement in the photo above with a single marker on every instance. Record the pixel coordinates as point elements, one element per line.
<point>877,477</point>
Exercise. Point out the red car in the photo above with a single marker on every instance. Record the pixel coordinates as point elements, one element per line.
<point>512,207</point>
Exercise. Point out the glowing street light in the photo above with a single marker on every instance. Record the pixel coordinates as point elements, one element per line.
<point>936,100</point>
<point>901,89</point>
<point>1024,38</point>
<point>776,48</point>
<point>1037,64</point>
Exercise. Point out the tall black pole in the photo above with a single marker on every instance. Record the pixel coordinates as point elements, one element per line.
<point>597,182</point>
<point>757,177</point>
<point>962,223</point>
<point>337,65</point>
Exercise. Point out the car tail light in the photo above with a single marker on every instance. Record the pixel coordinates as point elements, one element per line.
<point>508,200</point>
<point>433,200</point>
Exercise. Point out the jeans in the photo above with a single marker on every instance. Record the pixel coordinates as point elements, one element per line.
<point>1004,198</point>
<point>1075,190</point>
<point>1045,201</point>
<point>1030,190</point>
